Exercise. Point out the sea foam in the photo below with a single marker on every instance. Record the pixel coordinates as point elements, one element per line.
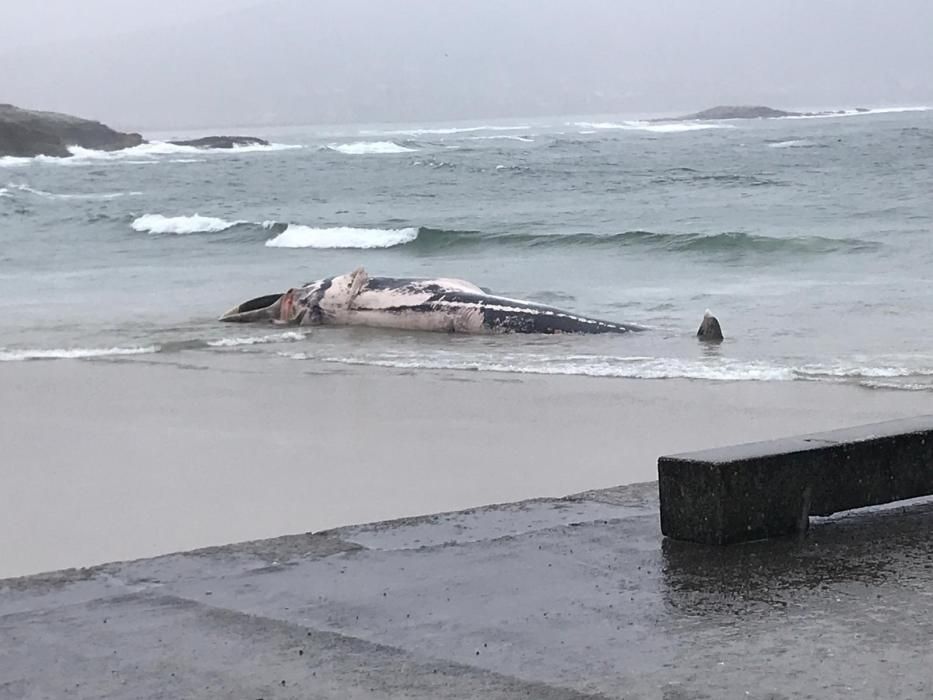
<point>152,152</point>
<point>298,236</point>
<point>444,131</point>
<point>365,148</point>
<point>155,149</point>
<point>791,143</point>
<point>157,223</point>
<point>671,128</point>
<point>285,337</point>
<point>72,353</point>
<point>57,195</point>
<point>859,113</point>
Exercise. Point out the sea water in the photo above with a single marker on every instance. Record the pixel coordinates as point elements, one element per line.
<point>810,238</point>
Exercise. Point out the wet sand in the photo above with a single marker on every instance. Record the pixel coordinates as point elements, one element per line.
<point>106,460</point>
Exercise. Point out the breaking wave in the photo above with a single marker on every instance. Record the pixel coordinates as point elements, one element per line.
<point>14,161</point>
<point>157,223</point>
<point>672,128</point>
<point>365,148</point>
<point>858,112</point>
<point>298,236</point>
<point>72,353</point>
<point>791,143</point>
<point>56,195</point>
<point>163,148</point>
<point>445,131</point>
<point>146,153</point>
<point>425,239</point>
<point>635,367</point>
<point>502,137</point>
<point>287,336</point>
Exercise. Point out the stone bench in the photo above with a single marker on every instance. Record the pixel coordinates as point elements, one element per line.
<point>768,489</point>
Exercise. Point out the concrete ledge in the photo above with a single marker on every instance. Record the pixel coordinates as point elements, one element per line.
<point>768,489</point>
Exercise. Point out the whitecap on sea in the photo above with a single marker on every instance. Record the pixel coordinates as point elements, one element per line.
<point>364,148</point>
<point>157,223</point>
<point>298,236</point>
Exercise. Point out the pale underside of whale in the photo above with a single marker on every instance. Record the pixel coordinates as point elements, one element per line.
<point>438,304</point>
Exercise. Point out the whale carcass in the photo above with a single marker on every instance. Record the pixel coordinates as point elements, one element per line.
<point>441,304</point>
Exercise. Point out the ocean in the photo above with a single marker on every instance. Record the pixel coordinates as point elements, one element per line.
<point>810,238</point>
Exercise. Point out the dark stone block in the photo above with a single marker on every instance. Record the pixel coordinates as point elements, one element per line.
<point>768,489</point>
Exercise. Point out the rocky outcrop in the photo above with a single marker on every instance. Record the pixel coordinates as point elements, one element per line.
<point>739,112</point>
<point>27,133</point>
<point>750,112</point>
<point>222,142</point>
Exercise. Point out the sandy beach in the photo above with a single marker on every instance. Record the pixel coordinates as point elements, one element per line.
<point>113,460</point>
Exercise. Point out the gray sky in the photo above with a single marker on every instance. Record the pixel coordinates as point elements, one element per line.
<point>187,63</point>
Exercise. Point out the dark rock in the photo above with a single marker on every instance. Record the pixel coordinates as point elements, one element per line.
<point>710,330</point>
<point>749,112</point>
<point>222,142</point>
<point>26,133</point>
<point>738,112</point>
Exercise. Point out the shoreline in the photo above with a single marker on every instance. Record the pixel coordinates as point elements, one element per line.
<point>109,460</point>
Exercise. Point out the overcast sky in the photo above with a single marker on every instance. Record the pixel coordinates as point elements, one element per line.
<point>190,63</point>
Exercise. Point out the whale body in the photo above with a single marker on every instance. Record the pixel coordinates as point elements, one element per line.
<point>439,304</point>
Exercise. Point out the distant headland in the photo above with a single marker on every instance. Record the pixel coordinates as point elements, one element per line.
<point>721,112</point>
<point>26,133</point>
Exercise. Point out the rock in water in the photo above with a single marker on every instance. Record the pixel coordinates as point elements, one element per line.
<point>222,142</point>
<point>710,331</point>
<point>749,112</point>
<point>739,112</point>
<point>26,133</point>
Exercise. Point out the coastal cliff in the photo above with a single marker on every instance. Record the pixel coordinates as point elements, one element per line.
<point>26,133</point>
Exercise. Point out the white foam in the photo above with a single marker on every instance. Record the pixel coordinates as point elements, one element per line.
<point>154,149</point>
<point>668,128</point>
<point>591,366</point>
<point>445,131</point>
<point>792,143</point>
<point>298,236</point>
<point>859,113</point>
<point>13,161</point>
<point>287,336</point>
<point>501,137</point>
<point>55,195</point>
<point>851,371</point>
<point>365,148</point>
<point>72,353</point>
<point>642,367</point>
<point>144,154</point>
<point>157,223</point>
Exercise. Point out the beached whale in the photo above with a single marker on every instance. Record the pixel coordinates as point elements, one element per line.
<point>448,305</point>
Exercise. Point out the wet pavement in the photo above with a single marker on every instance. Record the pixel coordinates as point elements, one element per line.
<point>578,597</point>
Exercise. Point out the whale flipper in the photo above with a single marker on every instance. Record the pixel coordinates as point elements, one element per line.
<point>359,278</point>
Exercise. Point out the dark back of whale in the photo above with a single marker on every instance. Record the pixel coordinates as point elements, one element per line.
<point>500,313</point>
